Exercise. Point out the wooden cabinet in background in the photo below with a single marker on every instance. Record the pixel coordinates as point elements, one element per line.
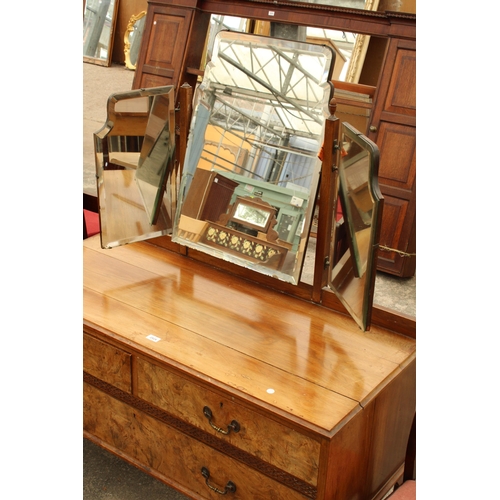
<point>393,128</point>
<point>173,41</point>
<point>173,46</point>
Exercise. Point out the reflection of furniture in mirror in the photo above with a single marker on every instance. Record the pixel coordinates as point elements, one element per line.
<point>246,231</point>
<point>209,196</point>
<point>133,153</point>
<point>132,39</point>
<point>99,22</point>
<point>252,214</point>
<point>391,121</point>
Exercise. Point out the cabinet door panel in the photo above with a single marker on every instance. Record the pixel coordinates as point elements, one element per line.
<point>163,50</point>
<point>397,145</point>
<point>393,129</point>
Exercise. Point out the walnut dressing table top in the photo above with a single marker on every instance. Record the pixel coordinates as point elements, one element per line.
<point>298,364</point>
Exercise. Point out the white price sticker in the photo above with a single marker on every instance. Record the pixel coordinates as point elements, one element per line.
<point>153,338</point>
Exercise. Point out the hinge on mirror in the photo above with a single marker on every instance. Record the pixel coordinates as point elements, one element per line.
<point>336,147</point>
<point>326,263</point>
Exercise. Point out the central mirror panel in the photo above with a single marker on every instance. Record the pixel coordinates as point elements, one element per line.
<point>251,169</point>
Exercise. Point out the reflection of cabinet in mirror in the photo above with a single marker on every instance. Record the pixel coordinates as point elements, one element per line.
<point>208,198</point>
<point>391,121</point>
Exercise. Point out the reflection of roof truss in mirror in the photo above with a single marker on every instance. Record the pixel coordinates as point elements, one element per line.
<point>289,77</point>
<point>256,133</point>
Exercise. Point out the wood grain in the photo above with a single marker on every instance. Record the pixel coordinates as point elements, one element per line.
<point>324,408</point>
<point>170,455</point>
<point>275,443</point>
<point>108,363</point>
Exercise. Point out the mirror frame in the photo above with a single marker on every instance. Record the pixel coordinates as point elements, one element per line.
<point>350,276</point>
<point>116,177</point>
<point>107,61</point>
<point>127,45</point>
<point>219,81</point>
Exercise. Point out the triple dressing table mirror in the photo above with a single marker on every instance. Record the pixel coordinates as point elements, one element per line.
<point>248,191</point>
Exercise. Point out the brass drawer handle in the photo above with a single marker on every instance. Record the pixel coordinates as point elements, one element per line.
<point>230,486</point>
<point>233,426</point>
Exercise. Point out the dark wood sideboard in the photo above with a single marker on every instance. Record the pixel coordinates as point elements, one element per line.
<point>172,50</point>
<point>216,384</point>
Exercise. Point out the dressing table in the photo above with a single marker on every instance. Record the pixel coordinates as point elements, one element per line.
<point>223,376</point>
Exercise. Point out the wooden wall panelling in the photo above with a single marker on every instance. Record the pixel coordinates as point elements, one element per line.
<point>393,129</point>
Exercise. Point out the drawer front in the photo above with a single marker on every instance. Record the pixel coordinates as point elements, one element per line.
<point>172,456</point>
<point>262,437</point>
<point>107,363</point>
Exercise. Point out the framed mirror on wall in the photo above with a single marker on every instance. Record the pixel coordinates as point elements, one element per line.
<point>99,21</point>
<point>132,39</point>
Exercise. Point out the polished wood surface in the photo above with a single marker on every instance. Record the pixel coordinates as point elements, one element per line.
<point>231,324</point>
<point>324,408</point>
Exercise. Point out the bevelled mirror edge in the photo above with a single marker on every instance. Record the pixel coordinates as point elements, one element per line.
<point>127,143</point>
<point>262,166</point>
<point>357,223</point>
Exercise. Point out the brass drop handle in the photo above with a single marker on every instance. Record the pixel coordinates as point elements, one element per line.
<point>230,486</point>
<point>233,426</point>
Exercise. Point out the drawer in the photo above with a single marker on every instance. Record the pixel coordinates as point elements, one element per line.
<point>107,363</point>
<point>172,456</point>
<point>265,438</point>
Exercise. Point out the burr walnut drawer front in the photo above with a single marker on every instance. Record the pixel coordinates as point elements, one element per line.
<point>186,463</point>
<point>107,362</point>
<point>220,416</point>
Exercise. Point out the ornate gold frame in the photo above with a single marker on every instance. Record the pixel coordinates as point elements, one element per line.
<point>126,41</point>
<point>359,50</point>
